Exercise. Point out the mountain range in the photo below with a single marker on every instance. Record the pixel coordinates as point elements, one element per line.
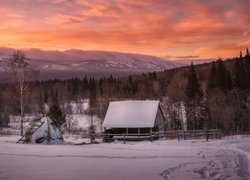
<point>78,63</point>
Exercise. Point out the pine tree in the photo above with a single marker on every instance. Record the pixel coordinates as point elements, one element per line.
<point>204,115</point>
<point>229,82</point>
<point>100,84</point>
<point>241,58</point>
<point>56,114</point>
<point>92,94</point>
<point>45,94</point>
<point>74,87</point>
<point>194,96</point>
<point>54,96</point>
<point>237,73</point>
<point>223,77</point>
<point>41,104</point>
<point>4,118</point>
<point>193,87</point>
<point>241,72</point>
<point>247,57</point>
<point>212,78</point>
<point>1,120</point>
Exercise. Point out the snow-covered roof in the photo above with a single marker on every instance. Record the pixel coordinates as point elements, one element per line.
<point>131,114</point>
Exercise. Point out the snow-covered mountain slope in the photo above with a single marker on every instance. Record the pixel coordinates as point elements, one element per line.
<point>77,63</point>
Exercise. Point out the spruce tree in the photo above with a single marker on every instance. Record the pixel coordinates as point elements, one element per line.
<point>229,82</point>
<point>92,94</point>
<point>247,57</point>
<point>212,78</point>
<point>92,108</point>
<point>237,73</point>
<point>241,73</point>
<point>223,77</point>
<point>194,96</point>
<point>193,87</point>
<point>241,58</point>
<point>45,94</point>
<point>56,114</point>
<point>1,120</point>
<point>74,87</point>
<point>41,104</point>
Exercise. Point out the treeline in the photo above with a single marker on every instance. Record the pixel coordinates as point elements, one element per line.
<point>215,95</point>
<point>228,95</point>
<point>222,102</point>
<point>99,92</point>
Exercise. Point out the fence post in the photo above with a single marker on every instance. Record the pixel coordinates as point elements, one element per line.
<point>150,134</point>
<point>207,134</point>
<point>124,141</point>
<point>178,135</point>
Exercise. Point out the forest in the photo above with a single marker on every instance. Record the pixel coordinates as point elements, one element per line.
<point>214,95</point>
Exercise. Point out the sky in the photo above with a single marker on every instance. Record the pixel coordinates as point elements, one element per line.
<point>173,29</point>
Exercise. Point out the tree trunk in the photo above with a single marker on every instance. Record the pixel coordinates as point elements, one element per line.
<point>21,103</point>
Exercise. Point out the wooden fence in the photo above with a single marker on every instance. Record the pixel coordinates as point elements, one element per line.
<point>180,135</point>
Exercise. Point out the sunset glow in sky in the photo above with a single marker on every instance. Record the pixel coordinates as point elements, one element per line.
<point>170,28</point>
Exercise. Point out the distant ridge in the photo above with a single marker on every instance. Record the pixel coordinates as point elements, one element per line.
<point>78,63</point>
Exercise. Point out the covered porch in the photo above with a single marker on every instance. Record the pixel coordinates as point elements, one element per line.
<point>132,134</point>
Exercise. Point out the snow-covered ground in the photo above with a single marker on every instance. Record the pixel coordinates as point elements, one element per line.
<point>162,159</point>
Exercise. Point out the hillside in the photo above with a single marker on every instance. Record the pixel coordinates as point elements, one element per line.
<point>78,63</point>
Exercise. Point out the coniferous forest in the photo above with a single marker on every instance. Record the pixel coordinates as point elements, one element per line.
<point>215,95</point>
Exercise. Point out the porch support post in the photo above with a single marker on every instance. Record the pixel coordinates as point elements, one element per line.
<point>104,135</point>
<point>151,138</point>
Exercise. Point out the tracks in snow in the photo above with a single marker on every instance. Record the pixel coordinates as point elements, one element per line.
<point>214,164</point>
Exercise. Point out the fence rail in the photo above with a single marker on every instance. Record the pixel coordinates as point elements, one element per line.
<point>189,134</point>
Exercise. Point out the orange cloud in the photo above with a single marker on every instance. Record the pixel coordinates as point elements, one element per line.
<point>11,19</point>
<point>164,28</point>
<point>61,19</point>
<point>224,50</point>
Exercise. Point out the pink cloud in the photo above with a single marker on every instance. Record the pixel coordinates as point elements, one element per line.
<point>61,19</point>
<point>157,27</point>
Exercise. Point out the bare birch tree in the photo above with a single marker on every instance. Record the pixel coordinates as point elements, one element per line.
<point>22,73</point>
<point>92,109</point>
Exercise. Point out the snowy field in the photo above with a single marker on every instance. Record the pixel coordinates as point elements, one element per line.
<point>77,119</point>
<point>163,159</point>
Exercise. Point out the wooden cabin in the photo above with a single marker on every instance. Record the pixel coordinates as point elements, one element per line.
<point>133,119</point>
